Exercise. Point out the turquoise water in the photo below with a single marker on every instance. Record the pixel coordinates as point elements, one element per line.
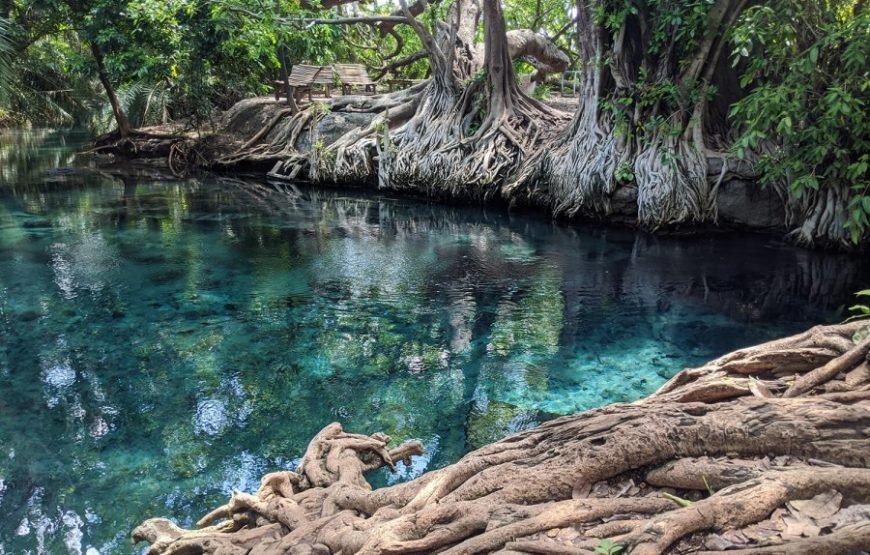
<point>162,343</point>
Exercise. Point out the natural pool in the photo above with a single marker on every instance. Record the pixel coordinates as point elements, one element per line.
<point>162,343</point>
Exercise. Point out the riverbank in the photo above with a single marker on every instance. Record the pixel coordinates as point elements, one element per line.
<point>763,450</point>
<point>253,138</point>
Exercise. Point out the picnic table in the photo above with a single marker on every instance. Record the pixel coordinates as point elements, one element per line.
<point>354,75</point>
<point>304,77</point>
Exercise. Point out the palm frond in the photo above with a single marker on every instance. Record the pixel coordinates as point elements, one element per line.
<point>144,103</point>
<point>7,54</point>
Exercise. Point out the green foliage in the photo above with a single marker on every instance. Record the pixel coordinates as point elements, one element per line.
<point>6,53</point>
<point>707,485</point>
<point>860,311</point>
<point>53,85</point>
<point>549,16</point>
<point>806,70</point>
<point>542,92</point>
<point>320,109</point>
<point>677,24</point>
<point>678,500</point>
<point>654,99</point>
<point>321,149</point>
<point>607,547</point>
<point>167,59</point>
<point>624,172</point>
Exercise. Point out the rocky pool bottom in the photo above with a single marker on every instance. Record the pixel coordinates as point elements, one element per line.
<point>164,343</point>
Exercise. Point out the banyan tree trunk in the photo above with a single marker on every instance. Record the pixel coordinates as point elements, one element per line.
<point>764,450</point>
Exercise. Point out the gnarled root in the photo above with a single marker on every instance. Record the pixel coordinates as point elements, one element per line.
<point>579,174</point>
<point>683,470</point>
<point>672,185</point>
<point>747,503</point>
<point>806,363</point>
<point>307,500</point>
<point>822,217</point>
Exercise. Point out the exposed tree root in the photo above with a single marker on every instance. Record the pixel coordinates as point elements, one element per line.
<point>746,503</point>
<point>849,540</point>
<point>818,355</point>
<point>642,133</point>
<point>461,133</point>
<point>821,216</point>
<point>579,174</point>
<point>672,185</point>
<point>686,468</point>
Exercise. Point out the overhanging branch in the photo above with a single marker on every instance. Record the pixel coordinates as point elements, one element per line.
<point>369,19</point>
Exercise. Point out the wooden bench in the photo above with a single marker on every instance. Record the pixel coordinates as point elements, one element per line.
<point>301,79</point>
<point>326,78</point>
<point>354,75</point>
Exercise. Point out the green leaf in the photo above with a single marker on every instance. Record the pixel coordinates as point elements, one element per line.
<point>678,500</point>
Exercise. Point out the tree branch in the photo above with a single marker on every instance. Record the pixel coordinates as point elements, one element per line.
<point>369,19</point>
<point>422,54</point>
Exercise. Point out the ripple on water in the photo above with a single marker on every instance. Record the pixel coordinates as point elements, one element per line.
<point>211,417</point>
<point>60,376</point>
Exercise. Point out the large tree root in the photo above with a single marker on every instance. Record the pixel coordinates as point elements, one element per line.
<point>696,466</point>
<point>805,363</point>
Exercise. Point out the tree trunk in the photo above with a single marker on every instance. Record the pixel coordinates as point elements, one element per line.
<point>822,217</point>
<point>124,129</point>
<point>285,77</point>
<point>655,143</point>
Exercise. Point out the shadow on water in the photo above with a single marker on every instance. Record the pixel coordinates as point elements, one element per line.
<point>166,342</point>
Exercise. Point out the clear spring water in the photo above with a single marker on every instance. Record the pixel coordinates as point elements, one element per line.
<point>162,343</point>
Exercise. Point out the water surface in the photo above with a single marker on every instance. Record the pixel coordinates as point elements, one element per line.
<point>162,343</point>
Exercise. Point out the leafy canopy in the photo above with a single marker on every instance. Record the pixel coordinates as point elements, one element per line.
<point>805,67</point>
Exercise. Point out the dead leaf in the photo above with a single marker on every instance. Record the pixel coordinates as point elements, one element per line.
<point>727,540</point>
<point>624,487</point>
<point>601,489</point>
<point>759,389</point>
<point>799,527</point>
<point>820,508</point>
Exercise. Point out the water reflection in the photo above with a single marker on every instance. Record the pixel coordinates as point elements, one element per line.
<point>43,154</point>
<point>164,343</point>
